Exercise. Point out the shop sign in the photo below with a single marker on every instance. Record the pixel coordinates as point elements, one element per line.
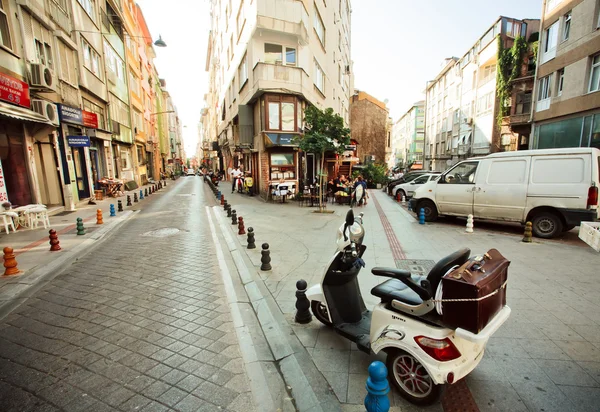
<point>14,91</point>
<point>78,141</point>
<point>77,116</point>
<point>3,194</point>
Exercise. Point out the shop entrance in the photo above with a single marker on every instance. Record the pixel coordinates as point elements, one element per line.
<point>12,155</point>
<point>81,176</point>
<point>95,167</point>
<point>46,165</point>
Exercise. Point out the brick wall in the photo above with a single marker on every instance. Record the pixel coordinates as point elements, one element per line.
<point>264,173</point>
<point>368,127</point>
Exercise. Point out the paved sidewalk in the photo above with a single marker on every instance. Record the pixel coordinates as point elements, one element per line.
<point>32,249</point>
<point>140,324</point>
<point>546,357</point>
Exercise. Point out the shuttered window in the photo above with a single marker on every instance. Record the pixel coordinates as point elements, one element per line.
<point>119,111</point>
<point>67,64</point>
<point>38,41</point>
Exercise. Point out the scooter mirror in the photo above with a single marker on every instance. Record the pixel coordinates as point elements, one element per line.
<point>350,218</point>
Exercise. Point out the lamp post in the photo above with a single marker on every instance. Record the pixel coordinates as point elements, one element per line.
<point>158,43</point>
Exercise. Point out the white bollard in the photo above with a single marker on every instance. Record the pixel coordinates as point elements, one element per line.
<point>469,228</point>
<point>403,200</point>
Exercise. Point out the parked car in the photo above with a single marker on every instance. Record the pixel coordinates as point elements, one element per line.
<point>190,172</point>
<point>406,178</point>
<point>408,189</point>
<point>554,189</point>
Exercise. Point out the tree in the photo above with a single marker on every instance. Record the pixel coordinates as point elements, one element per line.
<point>324,132</point>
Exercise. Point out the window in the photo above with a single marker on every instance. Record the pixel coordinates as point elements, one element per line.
<point>125,158</point>
<point>91,59</point>
<point>595,74</point>
<point>567,26</point>
<point>5,39</point>
<point>281,113</point>
<point>282,166</point>
<point>240,20</point>
<point>319,78</point>
<point>290,56</point>
<point>551,5</point>
<point>544,91</point>
<point>119,111</point>
<point>243,71</point>
<point>140,154</point>
<point>319,27</point>
<point>88,6</point>
<point>489,73</point>
<point>523,103</point>
<point>67,63</point>
<point>134,83</point>
<point>485,103</point>
<point>94,108</point>
<point>561,77</point>
<point>274,54</point>
<point>551,37</point>
<point>114,63</point>
<point>463,173</point>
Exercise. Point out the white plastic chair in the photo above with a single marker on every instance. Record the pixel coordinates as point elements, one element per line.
<point>7,218</point>
<point>36,215</point>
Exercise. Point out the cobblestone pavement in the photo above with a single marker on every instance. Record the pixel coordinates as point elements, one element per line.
<point>139,324</point>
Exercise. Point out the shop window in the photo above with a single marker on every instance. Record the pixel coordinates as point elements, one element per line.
<point>283,166</point>
<point>566,133</point>
<point>281,113</point>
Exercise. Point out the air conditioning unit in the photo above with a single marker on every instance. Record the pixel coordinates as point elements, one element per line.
<point>46,109</point>
<point>42,77</point>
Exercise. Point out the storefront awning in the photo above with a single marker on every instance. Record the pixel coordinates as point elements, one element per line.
<point>21,113</point>
<point>280,139</point>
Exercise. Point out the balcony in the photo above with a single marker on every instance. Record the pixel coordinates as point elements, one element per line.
<point>284,16</point>
<point>519,118</point>
<point>286,78</point>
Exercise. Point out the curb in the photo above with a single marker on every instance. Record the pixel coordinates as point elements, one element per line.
<point>293,361</point>
<point>39,277</point>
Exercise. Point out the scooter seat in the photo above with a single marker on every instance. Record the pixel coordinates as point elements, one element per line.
<point>394,289</point>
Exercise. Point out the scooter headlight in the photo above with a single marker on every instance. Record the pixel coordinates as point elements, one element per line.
<point>357,232</point>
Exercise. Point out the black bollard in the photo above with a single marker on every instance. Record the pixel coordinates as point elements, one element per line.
<point>165,183</point>
<point>265,257</point>
<point>129,201</point>
<point>146,192</point>
<point>225,205</point>
<point>119,206</point>
<point>234,219</point>
<point>135,198</point>
<point>228,210</point>
<point>251,244</point>
<point>302,303</point>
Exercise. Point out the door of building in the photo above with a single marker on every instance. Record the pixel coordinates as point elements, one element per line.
<point>255,172</point>
<point>81,176</point>
<point>46,168</point>
<point>95,167</point>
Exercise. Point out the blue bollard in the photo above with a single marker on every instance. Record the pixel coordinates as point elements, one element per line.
<point>141,195</point>
<point>409,207</point>
<point>112,210</point>
<point>218,194</point>
<point>377,388</point>
<point>422,216</point>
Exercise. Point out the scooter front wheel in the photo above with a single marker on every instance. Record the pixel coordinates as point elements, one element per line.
<point>411,378</point>
<point>320,312</point>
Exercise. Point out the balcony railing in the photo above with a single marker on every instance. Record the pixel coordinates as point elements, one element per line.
<point>519,118</point>
<point>275,76</point>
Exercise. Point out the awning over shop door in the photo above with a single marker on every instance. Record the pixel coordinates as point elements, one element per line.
<point>21,113</point>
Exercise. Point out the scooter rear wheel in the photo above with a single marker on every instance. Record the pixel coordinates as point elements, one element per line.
<point>320,312</point>
<point>411,378</point>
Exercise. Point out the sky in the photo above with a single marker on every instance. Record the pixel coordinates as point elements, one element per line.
<point>397,45</point>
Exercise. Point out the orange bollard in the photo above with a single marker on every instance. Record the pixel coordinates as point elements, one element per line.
<point>99,220</point>
<point>54,243</point>
<point>222,200</point>
<point>10,263</point>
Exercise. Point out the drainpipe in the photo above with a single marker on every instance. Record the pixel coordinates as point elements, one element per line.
<point>535,75</point>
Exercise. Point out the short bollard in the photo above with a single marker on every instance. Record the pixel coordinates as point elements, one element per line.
<point>377,388</point>
<point>469,228</point>
<point>146,192</point>
<point>409,207</point>
<point>222,200</point>
<point>99,220</point>
<point>218,194</point>
<point>241,229</point>
<point>112,210</point>
<point>54,243</point>
<point>528,235</point>
<point>10,263</point>
<point>119,206</point>
<point>422,216</point>
<point>234,220</point>
<point>403,199</point>
<point>129,201</point>
<point>251,241</point>
<point>225,205</point>
<point>265,258</point>
<point>165,183</point>
<point>228,210</point>
<point>159,185</point>
<point>135,198</point>
<point>302,303</point>
<point>153,189</point>
<point>80,228</point>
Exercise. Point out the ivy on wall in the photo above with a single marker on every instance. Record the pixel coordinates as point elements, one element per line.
<point>509,68</point>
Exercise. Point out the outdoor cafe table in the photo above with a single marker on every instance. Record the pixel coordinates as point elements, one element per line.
<point>113,187</point>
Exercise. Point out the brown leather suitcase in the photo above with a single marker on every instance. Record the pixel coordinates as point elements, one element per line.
<point>481,279</point>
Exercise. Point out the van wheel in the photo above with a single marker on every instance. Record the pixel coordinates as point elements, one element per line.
<point>320,312</point>
<point>411,378</point>
<point>546,225</point>
<point>431,213</point>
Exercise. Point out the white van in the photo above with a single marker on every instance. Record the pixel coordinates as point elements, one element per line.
<point>555,189</point>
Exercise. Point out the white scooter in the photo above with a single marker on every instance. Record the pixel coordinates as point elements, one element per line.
<point>422,353</point>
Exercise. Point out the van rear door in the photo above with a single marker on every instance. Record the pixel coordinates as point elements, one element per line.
<point>501,189</point>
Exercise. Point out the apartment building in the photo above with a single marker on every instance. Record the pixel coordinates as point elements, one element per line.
<point>408,138</point>
<point>461,103</point>
<point>567,91</point>
<point>267,60</point>
<point>70,98</point>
